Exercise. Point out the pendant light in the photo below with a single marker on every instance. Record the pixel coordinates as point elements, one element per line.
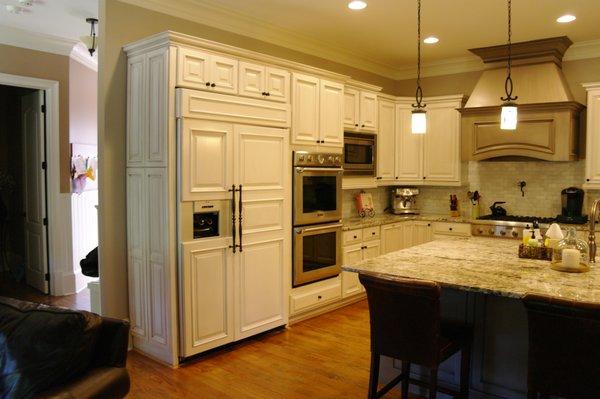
<point>508,116</point>
<point>419,117</point>
<point>91,41</point>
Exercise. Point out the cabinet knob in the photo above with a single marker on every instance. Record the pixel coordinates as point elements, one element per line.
<point>396,177</point>
<point>363,126</point>
<point>212,85</point>
<point>356,124</point>
<point>428,224</point>
<point>372,233</point>
<point>355,237</point>
<point>319,297</point>
<point>268,94</point>
<point>424,177</point>
<point>587,179</point>
<point>207,84</point>
<point>450,228</point>
<point>264,93</point>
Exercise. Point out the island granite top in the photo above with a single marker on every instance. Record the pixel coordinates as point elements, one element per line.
<point>486,265</point>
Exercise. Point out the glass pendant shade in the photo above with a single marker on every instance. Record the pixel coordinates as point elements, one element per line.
<point>89,42</point>
<point>508,117</point>
<point>418,122</point>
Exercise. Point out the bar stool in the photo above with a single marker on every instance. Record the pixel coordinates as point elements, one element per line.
<point>406,325</point>
<point>564,348</point>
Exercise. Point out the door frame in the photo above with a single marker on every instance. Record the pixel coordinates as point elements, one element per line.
<point>58,205</point>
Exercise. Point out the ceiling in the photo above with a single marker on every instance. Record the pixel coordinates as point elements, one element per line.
<point>382,37</point>
<point>61,19</point>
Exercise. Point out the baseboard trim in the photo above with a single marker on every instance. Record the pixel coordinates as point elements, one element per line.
<point>326,309</point>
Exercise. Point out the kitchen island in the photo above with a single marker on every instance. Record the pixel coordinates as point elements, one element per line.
<point>483,280</point>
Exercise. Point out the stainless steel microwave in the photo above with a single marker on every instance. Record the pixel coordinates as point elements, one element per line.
<point>360,154</point>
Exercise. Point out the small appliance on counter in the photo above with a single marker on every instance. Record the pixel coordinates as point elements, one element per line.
<point>572,205</point>
<point>404,201</point>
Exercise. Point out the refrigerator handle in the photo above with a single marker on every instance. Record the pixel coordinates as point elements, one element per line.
<point>240,216</point>
<point>232,190</point>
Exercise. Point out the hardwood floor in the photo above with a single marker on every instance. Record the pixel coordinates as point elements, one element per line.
<point>324,357</point>
<point>12,289</point>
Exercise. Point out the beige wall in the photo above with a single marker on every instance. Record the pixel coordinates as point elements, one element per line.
<point>83,104</point>
<point>576,73</point>
<point>41,65</point>
<point>124,23</point>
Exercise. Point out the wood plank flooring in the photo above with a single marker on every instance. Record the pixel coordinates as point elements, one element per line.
<point>324,357</point>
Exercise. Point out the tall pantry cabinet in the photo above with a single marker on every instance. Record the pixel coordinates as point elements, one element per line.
<point>202,117</point>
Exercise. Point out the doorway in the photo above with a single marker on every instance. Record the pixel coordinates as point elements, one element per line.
<point>23,188</point>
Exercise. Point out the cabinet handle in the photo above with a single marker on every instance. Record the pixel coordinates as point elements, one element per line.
<point>319,297</point>
<point>450,228</point>
<point>355,237</point>
<point>263,93</point>
<point>378,177</point>
<point>268,94</point>
<point>356,124</point>
<point>233,190</point>
<point>424,177</point>
<point>240,216</point>
<point>363,126</point>
<point>396,177</point>
<point>587,179</point>
<point>212,84</point>
<point>428,224</point>
<point>207,84</point>
<point>372,233</point>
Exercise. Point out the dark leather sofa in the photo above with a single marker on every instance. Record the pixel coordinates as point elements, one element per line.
<point>52,352</point>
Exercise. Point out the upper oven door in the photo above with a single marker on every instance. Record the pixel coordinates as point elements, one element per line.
<point>317,195</point>
<point>359,154</point>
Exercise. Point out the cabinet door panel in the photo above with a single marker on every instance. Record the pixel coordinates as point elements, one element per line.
<point>259,288</point>
<point>192,68</point>
<point>392,238</point>
<point>157,112</point>
<point>224,74</point>
<point>277,84</point>
<point>252,80</point>
<point>386,163</point>
<point>351,108</point>
<point>422,233</point>
<point>368,111</point>
<point>441,145</point>
<point>331,113</point>
<point>409,148</point>
<point>136,110</point>
<point>206,159</point>
<point>305,113</point>
<point>372,250</point>
<point>350,284</point>
<point>207,295</point>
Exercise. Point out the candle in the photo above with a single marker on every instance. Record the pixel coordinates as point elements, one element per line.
<point>571,257</point>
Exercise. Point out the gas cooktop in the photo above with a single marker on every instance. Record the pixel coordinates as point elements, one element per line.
<point>517,218</point>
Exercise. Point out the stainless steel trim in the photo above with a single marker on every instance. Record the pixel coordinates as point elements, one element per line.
<point>302,169</point>
<point>364,139</point>
<point>299,276</point>
<point>319,216</point>
<point>302,230</point>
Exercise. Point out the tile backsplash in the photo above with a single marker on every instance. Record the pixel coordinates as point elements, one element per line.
<point>497,181</point>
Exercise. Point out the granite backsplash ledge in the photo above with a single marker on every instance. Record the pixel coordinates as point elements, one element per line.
<point>496,181</point>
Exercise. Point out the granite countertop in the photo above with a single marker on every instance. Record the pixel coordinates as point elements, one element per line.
<point>387,218</point>
<point>487,265</point>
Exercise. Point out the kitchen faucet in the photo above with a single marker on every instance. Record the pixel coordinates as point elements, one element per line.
<point>592,228</point>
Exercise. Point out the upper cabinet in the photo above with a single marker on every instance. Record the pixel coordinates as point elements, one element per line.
<point>317,111</point>
<point>265,82</point>
<point>429,159</point>
<point>360,110</point>
<point>202,70</point>
<point>592,159</point>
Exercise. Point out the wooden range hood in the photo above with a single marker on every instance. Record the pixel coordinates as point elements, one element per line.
<point>548,120</point>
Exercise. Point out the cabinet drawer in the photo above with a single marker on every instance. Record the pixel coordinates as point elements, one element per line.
<point>452,229</point>
<point>315,297</point>
<point>371,233</point>
<point>352,236</point>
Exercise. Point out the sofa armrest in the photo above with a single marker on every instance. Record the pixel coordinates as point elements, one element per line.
<point>98,383</point>
<point>111,347</point>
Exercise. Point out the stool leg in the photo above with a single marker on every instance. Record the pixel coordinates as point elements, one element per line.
<point>374,376</point>
<point>406,371</point>
<point>465,366</point>
<point>433,372</point>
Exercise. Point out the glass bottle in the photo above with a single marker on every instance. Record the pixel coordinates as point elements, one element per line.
<point>571,251</point>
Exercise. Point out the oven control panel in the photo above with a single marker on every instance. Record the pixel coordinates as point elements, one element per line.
<point>314,159</point>
<point>500,231</point>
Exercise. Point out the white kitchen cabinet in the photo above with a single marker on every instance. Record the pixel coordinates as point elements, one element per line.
<point>368,111</point>
<point>199,69</point>
<point>148,256</point>
<point>396,236</point>
<point>443,229</point>
<point>351,108</point>
<point>208,279</point>
<point>318,111</point>
<point>441,160</point>
<point>264,82</point>
<point>422,232</point>
<point>386,154</point>
<point>409,148</point>
<point>592,159</point>
<point>206,159</point>
<point>365,244</point>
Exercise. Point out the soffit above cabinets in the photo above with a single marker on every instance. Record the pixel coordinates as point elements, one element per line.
<point>369,39</point>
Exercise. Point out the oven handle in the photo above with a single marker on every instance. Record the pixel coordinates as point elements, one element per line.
<point>301,169</point>
<point>302,230</point>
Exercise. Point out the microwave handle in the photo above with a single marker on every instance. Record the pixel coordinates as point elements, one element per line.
<point>302,230</point>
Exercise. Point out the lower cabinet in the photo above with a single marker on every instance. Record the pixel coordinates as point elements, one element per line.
<point>367,248</point>
<point>227,296</point>
<point>397,236</point>
<point>444,229</point>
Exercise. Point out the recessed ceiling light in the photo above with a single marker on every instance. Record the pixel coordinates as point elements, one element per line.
<point>566,18</point>
<point>431,40</point>
<point>357,5</point>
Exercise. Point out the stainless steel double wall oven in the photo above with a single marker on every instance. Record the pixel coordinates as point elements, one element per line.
<point>317,215</point>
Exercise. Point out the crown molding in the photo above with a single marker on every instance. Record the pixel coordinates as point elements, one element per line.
<point>209,12</point>
<point>81,54</point>
<point>448,66</point>
<point>36,41</point>
<point>583,50</point>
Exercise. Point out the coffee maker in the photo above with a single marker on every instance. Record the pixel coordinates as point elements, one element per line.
<point>404,201</point>
<point>572,205</point>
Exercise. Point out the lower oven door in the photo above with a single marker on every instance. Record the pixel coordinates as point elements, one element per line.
<point>317,253</point>
<point>317,195</point>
